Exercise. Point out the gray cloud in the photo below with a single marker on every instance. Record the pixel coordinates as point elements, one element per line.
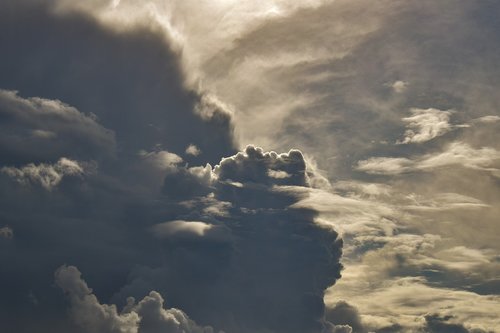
<point>333,78</point>
<point>45,175</point>
<point>147,316</point>
<point>438,324</point>
<point>98,113</point>
<point>41,130</point>
<point>282,289</point>
<point>6,232</point>
<point>342,313</point>
<point>129,76</point>
<point>190,229</point>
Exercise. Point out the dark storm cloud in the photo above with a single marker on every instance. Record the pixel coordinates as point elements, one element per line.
<point>221,244</point>
<point>91,117</point>
<point>129,77</point>
<point>259,267</point>
<point>41,130</point>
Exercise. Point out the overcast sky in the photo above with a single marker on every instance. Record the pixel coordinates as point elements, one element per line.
<point>265,166</point>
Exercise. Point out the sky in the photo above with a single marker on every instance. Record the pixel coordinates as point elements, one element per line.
<point>265,166</point>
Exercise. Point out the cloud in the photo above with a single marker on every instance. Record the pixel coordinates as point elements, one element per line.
<point>46,175</point>
<point>399,86</point>
<point>267,168</point>
<point>342,313</point>
<point>338,329</point>
<point>437,324</point>
<point>99,111</point>
<point>6,232</point>
<point>410,299</point>
<point>186,183</point>
<point>425,125</point>
<point>147,316</point>
<point>193,150</point>
<point>162,160</point>
<point>41,130</point>
<point>487,119</point>
<point>180,229</point>
<point>456,153</point>
<point>129,75</point>
<point>322,87</point>
<point>271,254</point>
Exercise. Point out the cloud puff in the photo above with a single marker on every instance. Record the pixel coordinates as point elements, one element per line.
<point>456,153</point>
<point>193,150</point>
<point>46,175</point>
<point>162,160</point>
<point>253,165</point>
<point>180,229</point>
<point>426,124</point>
<point>399,86</point>
<point>147,316</point>
<point>6,232</point>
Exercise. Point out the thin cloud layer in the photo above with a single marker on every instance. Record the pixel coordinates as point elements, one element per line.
<point>456,154</point>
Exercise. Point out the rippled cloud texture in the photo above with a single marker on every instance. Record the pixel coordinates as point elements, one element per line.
<point>135,197</point>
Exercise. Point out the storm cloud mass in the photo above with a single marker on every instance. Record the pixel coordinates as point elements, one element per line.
<point>135,196</point>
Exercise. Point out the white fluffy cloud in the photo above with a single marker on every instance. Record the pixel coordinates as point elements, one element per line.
<point>193,150</point>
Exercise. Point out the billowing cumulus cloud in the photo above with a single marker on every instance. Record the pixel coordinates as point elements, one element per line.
<point>147,316</point>
<point>237,252</point>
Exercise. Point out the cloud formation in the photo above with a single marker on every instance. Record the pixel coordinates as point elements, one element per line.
<point>425,125</point>
<point>144,99</point>
<point>41,130</point>
<point>237,251</point>
<point>146,316</point>
<point>455,154</point>
<point>46,175</point>
<point>6,232</point>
